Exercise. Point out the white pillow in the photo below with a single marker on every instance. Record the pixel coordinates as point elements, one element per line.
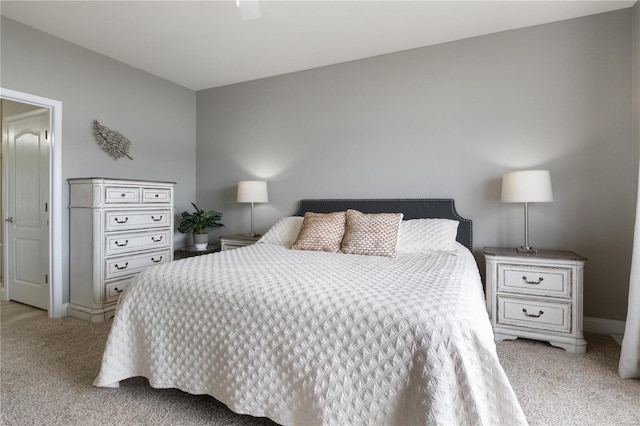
<point>421,235</point>
<point>284,232</point>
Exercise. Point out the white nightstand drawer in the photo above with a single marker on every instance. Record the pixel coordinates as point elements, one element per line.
<point>156,195</point>
<point>537,280</point>
<point>129,220</point>
<point>128,265</point>
<point>226,245</point>
<point>535,314</point>
<point>230,242</point>
<point>114,288</point>
<point>124,194</point>
<point>126,243</point>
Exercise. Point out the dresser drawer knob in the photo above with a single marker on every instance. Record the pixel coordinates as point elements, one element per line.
<point>532,315</point>
<point>121,221</point>
<point>118,290</point>
<point>123,195</point>
<point>157,195</point>
<point>156,219</point>
<point>123,244</point>
<point>156,261</point>
<point>540,279</point>
<point>158,240</point>
<point>122,267</point>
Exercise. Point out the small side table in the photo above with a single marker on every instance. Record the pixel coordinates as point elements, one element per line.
<point>229,242</point>
<point>191,251</point>
<point>536,296</point>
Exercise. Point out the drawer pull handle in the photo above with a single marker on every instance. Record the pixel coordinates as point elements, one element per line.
<point>157,195</point>
<point>121,221</point>
<point>540,279</point>
<point>156,220</point>
<point>123,195</point>
<point>123,244</point>
<point>532,315</point>
<point>156,241</point>
<point>118,290</point>
<point>122,267</point>
<point>156,261</point>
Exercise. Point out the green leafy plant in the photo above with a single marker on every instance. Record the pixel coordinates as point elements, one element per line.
<point>199,220</point>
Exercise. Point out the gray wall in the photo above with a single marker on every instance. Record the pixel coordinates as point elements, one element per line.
<point>158,117</point>
<point>448,121</point>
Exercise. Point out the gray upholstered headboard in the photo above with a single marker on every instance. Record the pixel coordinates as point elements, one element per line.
<point>413,208</point>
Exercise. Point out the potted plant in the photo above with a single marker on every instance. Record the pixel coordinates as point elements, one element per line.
<point>198,222</point>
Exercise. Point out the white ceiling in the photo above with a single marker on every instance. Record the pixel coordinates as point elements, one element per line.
<point>204,44</point>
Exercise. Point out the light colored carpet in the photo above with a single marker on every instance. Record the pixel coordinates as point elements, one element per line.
<point>47,367</point>
<point>555,387</point>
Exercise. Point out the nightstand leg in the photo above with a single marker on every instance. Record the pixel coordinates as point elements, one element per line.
<point>499,337</point>
<point>575,349</point>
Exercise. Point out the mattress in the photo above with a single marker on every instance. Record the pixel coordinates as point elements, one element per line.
<point>308,337</point>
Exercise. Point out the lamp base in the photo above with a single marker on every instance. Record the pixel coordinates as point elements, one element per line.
<point>524,249</point>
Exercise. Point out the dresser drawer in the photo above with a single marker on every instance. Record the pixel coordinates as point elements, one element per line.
<point>128,220</point>
<point>121,194</point>
<point>534,314</point>
<point>156,195</point>
<point>128,265</point>
<point>128,242</point>
<point>114,288</point>
<point>535,280</point>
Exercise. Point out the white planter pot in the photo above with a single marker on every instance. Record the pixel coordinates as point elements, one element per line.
<point>201,241</point>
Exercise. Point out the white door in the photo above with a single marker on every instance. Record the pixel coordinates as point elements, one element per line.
<point>26,213</point>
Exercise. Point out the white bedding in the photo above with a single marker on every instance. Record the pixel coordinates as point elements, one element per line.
<point>317,338</point>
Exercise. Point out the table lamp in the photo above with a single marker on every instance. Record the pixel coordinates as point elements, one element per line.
<point>252,191</point>
<point>527,186</point>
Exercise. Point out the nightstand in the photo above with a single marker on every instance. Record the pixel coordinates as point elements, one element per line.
<point>191,251</point>
<point>536,296</point>
<point>229,242</point>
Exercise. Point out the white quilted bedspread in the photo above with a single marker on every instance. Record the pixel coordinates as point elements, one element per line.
<point>317,338</point>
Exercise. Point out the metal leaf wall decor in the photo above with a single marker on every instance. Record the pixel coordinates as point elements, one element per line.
<point>111,142</point>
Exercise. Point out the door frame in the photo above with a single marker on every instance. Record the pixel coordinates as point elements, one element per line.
<point>57,308</point>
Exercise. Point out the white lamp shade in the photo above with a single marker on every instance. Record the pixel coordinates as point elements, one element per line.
<point>252,191</point>
<point>249,9</point>
<point>528,186</point>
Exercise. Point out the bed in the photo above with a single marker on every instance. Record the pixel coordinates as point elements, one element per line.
<point>310,337</point>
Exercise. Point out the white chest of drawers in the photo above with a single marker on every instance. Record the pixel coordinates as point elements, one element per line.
<point>117,229</point>
<point>536,296</point>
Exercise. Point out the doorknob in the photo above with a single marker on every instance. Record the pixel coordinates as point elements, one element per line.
<point>9,219</point>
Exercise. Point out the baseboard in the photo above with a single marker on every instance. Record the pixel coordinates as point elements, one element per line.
<point>603,326</point>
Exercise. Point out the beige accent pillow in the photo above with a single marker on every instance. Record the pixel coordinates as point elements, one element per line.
<point>371,234</point>
<point>320,232</point>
